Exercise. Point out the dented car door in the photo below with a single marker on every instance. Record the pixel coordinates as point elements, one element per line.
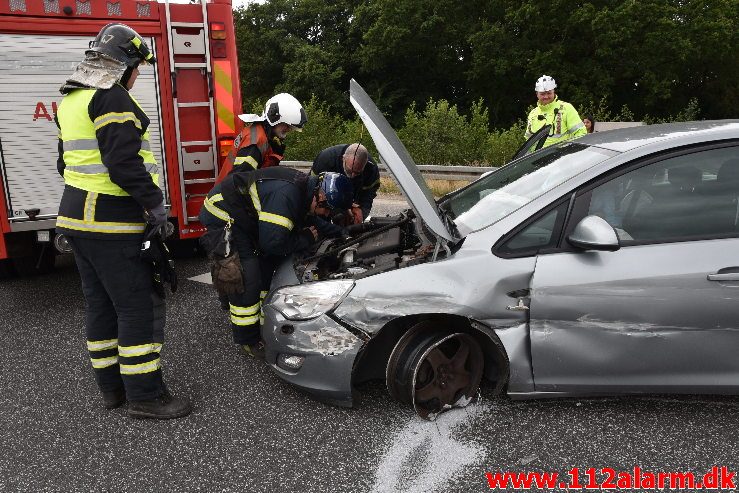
<point>660,314</point>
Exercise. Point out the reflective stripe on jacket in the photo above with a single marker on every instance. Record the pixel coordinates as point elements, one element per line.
<point>565,121</point>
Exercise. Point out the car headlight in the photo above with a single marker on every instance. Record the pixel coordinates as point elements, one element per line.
<point>306,301</point>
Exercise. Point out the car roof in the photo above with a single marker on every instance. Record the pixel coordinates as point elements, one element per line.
<point>627,139</point>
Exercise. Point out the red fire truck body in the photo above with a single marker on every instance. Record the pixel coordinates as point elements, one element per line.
<point>191,95</point>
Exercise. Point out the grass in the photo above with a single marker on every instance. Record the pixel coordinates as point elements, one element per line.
<point>438,187</point>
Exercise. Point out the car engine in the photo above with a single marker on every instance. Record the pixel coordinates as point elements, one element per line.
<point>377,245</point>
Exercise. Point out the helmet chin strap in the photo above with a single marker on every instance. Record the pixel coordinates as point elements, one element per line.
<point>127,75</point>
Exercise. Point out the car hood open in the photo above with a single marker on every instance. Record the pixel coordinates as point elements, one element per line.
<point>400,163</point>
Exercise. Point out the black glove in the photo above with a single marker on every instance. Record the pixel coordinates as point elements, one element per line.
<point>154,250</point>
<point>157,216</point>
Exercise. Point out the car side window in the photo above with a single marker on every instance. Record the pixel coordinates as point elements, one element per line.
<point>540,234</point>
<point>687,197</point>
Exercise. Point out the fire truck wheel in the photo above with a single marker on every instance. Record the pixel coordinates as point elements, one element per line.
<point>6,269</point>
<point>41,261</point>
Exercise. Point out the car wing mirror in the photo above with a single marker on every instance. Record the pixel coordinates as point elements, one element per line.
<point>594,233</point>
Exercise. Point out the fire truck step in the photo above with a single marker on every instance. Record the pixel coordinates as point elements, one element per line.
<point>186,24</point>
<point>199,180</point>
<point>190,65</point>
<point>197,143</point>
<point>194,105</point>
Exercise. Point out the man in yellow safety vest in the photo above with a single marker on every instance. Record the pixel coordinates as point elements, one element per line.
<point>111,192</point>
<point>550,110</point>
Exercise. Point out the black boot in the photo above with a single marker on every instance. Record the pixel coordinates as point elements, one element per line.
<point>114,398</point>
<point>166,406</point>
<point>223,300</point>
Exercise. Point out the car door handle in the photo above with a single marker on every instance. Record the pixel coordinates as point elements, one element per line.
<point>728,276</point>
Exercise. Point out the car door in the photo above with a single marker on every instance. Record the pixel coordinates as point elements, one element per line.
<point>533,143</point>
<point>660,314</point>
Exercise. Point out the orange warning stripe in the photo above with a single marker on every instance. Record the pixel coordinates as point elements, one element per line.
<point>224,97</point>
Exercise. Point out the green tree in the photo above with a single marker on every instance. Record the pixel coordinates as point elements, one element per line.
<point>414,50</point>
<point>621,58</point>
<point>297,46</point>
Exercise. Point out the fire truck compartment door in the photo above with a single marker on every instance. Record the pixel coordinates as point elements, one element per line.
<point>33,69</point>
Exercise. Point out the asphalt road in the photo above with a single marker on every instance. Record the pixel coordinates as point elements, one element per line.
<point>250,432</point>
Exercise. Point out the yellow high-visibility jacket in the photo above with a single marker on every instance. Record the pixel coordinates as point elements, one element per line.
<point>566,123</point>
<point>109,171</point>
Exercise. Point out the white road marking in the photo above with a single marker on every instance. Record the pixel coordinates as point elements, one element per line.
<point>204,278</point>
<point>425,455</point>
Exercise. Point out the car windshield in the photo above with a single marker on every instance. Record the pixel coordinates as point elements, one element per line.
<point>493,197</point>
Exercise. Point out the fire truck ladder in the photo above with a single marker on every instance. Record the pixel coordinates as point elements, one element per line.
<point>195,49</point>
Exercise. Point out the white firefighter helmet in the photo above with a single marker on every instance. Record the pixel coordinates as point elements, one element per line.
<point>284,108</point>
<point>281,108</point>
<point>545,83</point>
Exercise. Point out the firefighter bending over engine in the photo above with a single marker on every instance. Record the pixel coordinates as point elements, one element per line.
<point>256,219</point>
<point>354,161</point>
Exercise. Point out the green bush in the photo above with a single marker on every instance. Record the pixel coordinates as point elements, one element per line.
<point>325,129</point>
<point>319,132</point>
<point>502,145</point>
<point>440,135</point>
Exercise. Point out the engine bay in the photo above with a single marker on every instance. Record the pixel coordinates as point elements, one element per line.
<point>377,245</point>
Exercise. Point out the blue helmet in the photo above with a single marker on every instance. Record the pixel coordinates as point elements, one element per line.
<point>338,189</point>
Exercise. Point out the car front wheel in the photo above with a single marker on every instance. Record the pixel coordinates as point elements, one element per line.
<point>434,370</point>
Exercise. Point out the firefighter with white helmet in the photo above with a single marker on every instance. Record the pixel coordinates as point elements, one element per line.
<point>261,143</point>
<point>550,110</point>
<point>111,192</point>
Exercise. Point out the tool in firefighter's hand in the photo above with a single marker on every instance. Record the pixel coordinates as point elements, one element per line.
<point>154,250</point>
<point>226,270</point>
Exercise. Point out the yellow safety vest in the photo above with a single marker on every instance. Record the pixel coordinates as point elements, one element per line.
<point>84,163</point>
<point>563,117</point>
<point>104,207</point>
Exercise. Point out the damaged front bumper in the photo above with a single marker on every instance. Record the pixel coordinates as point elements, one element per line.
<point>317,356</point>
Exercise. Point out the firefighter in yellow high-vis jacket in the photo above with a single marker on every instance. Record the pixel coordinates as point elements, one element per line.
<point>111,191</point>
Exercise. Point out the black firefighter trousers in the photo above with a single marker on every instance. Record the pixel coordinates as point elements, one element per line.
<point>124,316</point>
<point>257,269</point>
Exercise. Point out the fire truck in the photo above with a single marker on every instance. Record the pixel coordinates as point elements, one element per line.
<point>191,95</point>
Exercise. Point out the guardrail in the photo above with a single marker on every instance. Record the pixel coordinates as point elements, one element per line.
<point>430,172</point>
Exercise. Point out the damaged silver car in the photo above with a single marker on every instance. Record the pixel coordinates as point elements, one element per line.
<point>604,265</point>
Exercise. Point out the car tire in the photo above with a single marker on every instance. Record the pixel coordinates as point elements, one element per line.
<point>434,370</point>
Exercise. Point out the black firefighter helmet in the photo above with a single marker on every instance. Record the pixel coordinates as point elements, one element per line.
<point>122,43</point>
